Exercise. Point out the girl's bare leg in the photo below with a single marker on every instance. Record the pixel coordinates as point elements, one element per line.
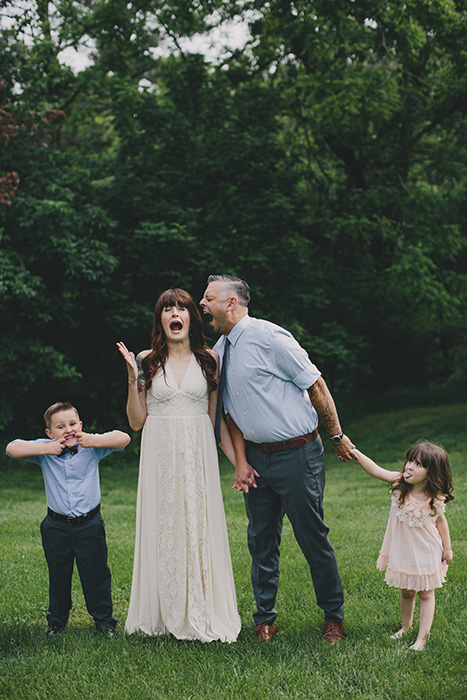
<point>407,610</point>
<point>427,611</point>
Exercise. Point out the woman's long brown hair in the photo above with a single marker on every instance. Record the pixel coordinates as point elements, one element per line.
<point>157,358</point>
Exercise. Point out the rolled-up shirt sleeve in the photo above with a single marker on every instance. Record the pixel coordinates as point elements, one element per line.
<point>289,361</point>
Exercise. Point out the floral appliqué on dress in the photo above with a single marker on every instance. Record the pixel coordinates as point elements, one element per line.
<point>417,513</point>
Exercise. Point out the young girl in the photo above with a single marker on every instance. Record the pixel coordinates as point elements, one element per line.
<point>416,549</point>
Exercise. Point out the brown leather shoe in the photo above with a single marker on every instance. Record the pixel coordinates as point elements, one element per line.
<point>333,631</point>
<point>265,632</point>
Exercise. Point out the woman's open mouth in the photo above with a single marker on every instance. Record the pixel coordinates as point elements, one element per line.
<point>176,326</point>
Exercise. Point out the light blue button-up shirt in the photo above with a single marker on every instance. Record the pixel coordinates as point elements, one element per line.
<point>71,481</point>
<point>268,373</point>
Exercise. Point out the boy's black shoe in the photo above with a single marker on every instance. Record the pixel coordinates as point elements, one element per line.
<point>109,629</point>
<point>53,631</point>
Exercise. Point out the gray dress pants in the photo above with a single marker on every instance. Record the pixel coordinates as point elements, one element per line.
<point>290,482</point>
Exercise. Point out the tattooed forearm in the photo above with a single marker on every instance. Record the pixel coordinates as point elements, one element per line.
<point>325,407</point>
<point>323,403</point>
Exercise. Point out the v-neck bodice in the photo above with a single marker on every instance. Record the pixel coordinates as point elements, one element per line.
<point>168,367</point>
<point>166,398</point>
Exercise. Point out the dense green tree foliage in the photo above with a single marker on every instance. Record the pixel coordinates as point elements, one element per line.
<point>325,163</point>
<point>376,98</point>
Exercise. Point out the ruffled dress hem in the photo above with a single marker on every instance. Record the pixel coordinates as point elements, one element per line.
<point>412,582</point>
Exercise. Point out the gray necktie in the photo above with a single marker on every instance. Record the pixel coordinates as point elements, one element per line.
<point>220,395</point>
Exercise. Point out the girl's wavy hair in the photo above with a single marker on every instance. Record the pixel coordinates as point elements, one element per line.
<point>157,358</point>
<point>439,479</point>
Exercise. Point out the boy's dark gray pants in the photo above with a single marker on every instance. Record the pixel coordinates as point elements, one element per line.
<point>84,542</point>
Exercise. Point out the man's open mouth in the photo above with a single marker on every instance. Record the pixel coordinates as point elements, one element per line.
<point>176,326</point>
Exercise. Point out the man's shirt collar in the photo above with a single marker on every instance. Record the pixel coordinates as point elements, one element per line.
<point>238,329</point>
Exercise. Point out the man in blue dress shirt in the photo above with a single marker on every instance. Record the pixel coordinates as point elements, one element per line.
<point>73,527</point>
<point>273,396</point>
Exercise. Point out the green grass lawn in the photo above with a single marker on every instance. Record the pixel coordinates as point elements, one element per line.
<point>367,665</point>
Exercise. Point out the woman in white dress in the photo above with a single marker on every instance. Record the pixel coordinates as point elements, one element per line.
<point>182,573</point>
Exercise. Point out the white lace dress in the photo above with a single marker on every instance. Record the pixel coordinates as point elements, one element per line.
<point>182,573</point>
<point>411,553</point>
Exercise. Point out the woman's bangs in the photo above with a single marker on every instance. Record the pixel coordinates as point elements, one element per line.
<point>174,297</point>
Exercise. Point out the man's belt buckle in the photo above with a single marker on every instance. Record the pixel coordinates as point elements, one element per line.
<point>299,442</point>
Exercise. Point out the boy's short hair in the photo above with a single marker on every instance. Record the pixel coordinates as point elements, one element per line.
<point>55,408</point>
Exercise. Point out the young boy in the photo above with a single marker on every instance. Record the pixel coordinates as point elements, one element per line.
<point>73,528</point>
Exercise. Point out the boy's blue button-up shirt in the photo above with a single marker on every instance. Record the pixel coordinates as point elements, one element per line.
<point>71,481</point>
<point>268,373</point>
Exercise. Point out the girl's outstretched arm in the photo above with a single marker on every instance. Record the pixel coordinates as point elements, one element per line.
<point>443,529</point>
<point>372,468</point>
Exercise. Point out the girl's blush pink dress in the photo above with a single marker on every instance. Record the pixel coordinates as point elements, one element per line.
<point>412,548</point>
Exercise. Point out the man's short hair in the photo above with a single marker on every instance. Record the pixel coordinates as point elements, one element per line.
<point>55,408</point>
<point>235,285</point>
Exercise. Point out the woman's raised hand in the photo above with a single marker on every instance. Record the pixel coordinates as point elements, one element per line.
<point>130,360</point>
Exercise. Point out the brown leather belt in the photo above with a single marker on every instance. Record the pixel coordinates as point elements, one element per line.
<point>270,447</point>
